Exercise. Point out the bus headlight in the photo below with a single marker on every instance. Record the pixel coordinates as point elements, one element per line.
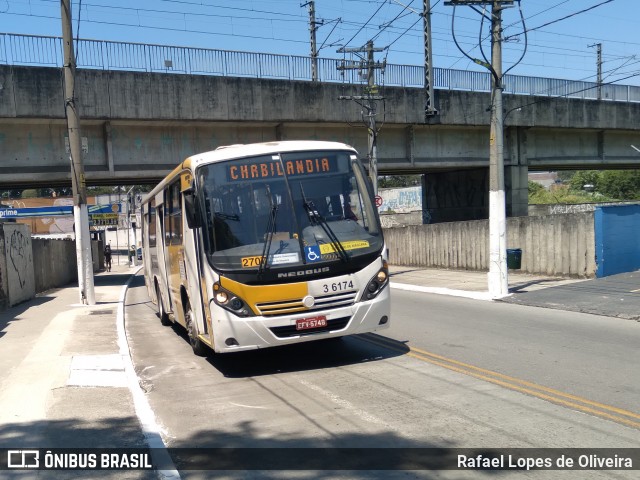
<point>231,302</point>
<point>376,284</point>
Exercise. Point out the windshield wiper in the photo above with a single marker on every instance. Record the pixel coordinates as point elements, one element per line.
<point>269,231</point>
<point>315,218</point>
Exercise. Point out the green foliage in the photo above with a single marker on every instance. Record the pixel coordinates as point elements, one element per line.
<point>621,184</point>
<point>30,193</point>
<point>398,181</point>
<point>564,194</point>
<point>615,184</point>
<point>584,177</point>
<point>534,188</point>
<point>565,175</point>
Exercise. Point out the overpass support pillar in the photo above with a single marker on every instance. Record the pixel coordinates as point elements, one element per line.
<point>455,196</point>
<point>516,172</point>
<point>516,184</point>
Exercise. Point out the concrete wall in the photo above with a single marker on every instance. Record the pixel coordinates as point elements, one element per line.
<point>16,265</point>
<point>55,263</point>
<point>617,236</point>
<point>29,266</point>
<point>390,220</point>
<point>551,245</point>
<point>572,208</point>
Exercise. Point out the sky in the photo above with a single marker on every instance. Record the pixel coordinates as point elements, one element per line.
<point>560,39</point>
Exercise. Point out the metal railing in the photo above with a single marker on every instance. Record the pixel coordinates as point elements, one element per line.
<point>17,49</point>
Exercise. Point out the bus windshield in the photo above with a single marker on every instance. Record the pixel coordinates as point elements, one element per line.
<point>287,210</point>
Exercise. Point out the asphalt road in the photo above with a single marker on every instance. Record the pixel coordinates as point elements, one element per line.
<point>614,296</point>
<point>449,373</point>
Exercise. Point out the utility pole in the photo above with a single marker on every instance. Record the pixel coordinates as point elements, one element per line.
<point>599,67</point>
<point>312,30</point>
<point>429,109</point>
<point>497,279</point>
<point>80,213</point>
<point>371,97</point>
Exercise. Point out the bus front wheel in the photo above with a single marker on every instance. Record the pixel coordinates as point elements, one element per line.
<point>199,348</point>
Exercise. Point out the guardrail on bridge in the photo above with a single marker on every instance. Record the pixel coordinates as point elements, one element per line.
<point>18,49</point>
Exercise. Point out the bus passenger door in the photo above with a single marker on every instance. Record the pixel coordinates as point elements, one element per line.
<point>174,255</point>
<point>163,255</point>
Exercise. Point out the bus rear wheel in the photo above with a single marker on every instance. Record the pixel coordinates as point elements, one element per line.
<point>199,348</point>
<point>162,313</point>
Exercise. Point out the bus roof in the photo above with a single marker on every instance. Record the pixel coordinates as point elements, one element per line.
<point>231,152</point>
<point>249,150</point>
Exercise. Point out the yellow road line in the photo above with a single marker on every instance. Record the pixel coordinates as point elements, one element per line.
<point>551,395</point>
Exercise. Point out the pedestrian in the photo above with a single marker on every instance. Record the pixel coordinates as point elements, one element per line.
<point>132,255</point>
<point>107,256</point>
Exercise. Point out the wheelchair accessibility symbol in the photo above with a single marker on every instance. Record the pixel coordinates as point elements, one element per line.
<point>312,253</point>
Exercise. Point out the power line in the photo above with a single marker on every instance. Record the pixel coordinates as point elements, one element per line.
<point>565,17</point>
<point>366,23</point>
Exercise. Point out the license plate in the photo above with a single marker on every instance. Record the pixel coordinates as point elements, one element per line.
<point>312,322</point>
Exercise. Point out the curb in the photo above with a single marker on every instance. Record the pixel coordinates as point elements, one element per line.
<point>146,417</point>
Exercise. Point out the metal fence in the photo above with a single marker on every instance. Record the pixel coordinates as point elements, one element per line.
<point>18,49</point>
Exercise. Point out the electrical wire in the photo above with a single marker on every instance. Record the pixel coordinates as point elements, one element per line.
<point>420,17</point>
<point>388,24</point>
<point>366,23</point>
<point>565,17</point>
<point>526,41</point>
<point>78,32</point>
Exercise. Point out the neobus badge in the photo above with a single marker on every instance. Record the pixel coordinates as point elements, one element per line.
<point>252,171</point>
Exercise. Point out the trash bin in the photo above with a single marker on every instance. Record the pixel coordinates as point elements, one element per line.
<point>514,258</point>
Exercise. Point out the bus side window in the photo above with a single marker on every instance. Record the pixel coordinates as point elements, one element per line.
<point>176,214</point>
<point>167,218</point>
<point>173,215</point>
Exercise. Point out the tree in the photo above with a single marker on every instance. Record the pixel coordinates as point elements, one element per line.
<point>534,187</point>
<point>584,177</point>
<point>398,181</point>
<point>621,184</point>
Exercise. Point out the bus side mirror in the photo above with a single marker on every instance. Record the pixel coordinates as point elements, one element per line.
<point>192,209</point>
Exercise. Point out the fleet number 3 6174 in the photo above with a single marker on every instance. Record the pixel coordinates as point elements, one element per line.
<point>337,286</point>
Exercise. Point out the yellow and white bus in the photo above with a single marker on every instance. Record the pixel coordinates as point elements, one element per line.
<point>254,246</point>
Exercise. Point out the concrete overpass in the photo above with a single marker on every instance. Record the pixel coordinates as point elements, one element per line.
<point>136,126</point>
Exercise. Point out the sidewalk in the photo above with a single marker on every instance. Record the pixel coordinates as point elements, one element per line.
<point>62,375</point>
<point>467,283</point>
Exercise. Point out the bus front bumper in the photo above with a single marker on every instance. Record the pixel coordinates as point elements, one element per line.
<point>239,334</point>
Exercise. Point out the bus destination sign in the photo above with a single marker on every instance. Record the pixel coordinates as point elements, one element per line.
<point>260,170</point>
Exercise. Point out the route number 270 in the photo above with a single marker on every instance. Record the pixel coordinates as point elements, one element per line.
<point>337,286</point>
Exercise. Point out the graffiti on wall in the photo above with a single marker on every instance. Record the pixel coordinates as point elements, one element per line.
<point>401,200</point>
<point>19,256</point>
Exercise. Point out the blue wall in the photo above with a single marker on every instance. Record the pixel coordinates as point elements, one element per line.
<point>617,234</point>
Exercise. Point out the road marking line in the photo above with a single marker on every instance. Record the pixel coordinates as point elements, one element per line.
<point>511,383</point>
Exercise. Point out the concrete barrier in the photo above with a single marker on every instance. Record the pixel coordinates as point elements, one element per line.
<point>551,245</point>
<point>17,282</point>
<point>55,263</point>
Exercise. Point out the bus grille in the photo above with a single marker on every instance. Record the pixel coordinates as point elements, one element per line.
<point>290,330</point>
<point>287,307</point>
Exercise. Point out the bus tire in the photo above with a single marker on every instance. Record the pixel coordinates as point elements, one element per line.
<point>162,313</point>
<point>199,348</point>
